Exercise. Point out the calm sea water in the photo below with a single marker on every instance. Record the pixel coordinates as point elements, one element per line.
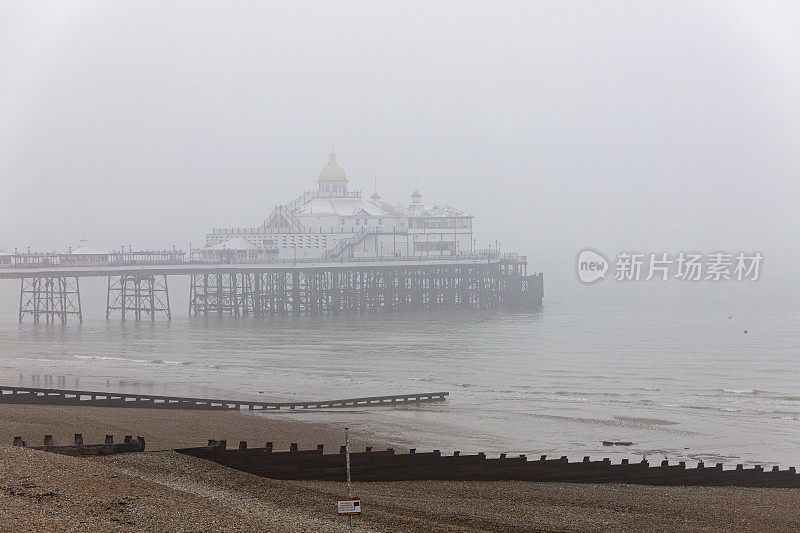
<point>665,365</point>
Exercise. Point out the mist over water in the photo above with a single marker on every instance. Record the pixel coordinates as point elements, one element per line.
<point>665,365</point>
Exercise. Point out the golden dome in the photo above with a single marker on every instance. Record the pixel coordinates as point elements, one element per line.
<point>332,171</point>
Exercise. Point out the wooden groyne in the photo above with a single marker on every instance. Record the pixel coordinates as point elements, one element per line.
<point>78,448</point>
<point>388,466</point>
<point>30,395</point>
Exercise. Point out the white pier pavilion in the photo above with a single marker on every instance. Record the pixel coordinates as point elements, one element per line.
<point>335,224</point>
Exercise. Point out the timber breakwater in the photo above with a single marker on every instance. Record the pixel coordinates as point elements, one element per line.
<point>80,449</point>
<point>39,396</point>
<point>386,465</point>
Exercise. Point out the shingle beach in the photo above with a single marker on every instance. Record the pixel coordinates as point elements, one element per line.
<point>166,491</point>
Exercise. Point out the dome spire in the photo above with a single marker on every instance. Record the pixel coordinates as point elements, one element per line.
<point>416,194</point>
<point>332,179</point>
<point>375,195</point>
<point>416,200</point>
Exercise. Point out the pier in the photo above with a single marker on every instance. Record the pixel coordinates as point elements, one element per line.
<point>329,250</point>
<point>138,289</point>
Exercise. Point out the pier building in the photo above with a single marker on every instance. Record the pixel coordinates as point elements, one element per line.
<point>335,223</point>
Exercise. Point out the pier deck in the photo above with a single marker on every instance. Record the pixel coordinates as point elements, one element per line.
<point>51,292</point>
<point>188,268</point>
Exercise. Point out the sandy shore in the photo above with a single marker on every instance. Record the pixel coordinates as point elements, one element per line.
<point>165,491</point>
<point>168,428</point>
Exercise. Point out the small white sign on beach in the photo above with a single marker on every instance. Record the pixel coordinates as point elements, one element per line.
<point>349,507</point>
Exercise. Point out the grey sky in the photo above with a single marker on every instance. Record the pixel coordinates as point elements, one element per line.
<point>616,125</point>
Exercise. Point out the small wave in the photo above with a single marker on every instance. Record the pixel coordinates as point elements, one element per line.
<point>109,358</point>
<point>588,394</point>
<point>741,391</point>
<point>699,407</point>
<point>572,399</point>
<point>619,421</point>
<point>645,420</point>
<point>130,360</point>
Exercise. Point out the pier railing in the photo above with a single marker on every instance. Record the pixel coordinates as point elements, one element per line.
<point>117,260</point>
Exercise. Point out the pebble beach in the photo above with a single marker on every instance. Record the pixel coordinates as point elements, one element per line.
<point>160,490</point>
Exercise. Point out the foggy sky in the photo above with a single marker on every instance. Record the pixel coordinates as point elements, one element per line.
<point>559,125</point>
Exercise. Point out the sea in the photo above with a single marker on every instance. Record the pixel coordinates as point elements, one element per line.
<point>663,365</point>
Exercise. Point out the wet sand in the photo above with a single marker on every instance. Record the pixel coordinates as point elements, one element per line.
<point>165,491</point>
<point>169,428</point>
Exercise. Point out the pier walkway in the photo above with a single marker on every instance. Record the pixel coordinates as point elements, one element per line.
<point>51,292</point>
<point>187,267</point>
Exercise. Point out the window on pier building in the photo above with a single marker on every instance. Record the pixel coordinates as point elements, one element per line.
<point>437,246</point>
<point>438,223</point>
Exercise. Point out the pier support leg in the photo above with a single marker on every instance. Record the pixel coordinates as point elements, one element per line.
<point>224,293</point>
<point>53,298</point>
<point>141,294</point>
<point>295,291</point>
